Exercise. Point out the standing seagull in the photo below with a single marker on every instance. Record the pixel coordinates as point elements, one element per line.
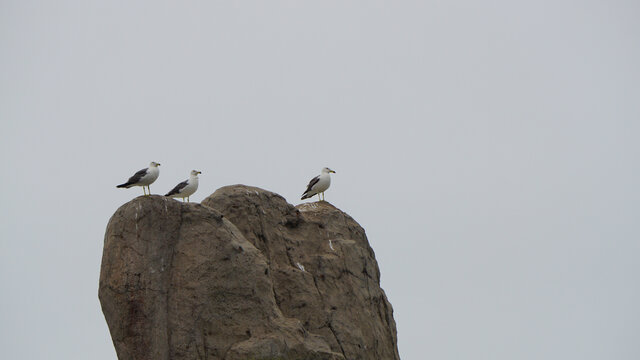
<point>185,188</point>
<point>144,177</point>
<point>319,184</point>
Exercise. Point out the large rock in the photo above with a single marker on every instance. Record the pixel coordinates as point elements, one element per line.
<point>323,270</point>
<point>245,275</point>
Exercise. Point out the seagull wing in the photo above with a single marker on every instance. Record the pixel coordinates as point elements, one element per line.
<point>176,190</point>
<point>311,183</point>
<point>138,176</point>
<point>135,178</point>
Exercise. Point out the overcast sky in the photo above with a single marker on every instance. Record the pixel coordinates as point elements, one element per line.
<point>489,148</point>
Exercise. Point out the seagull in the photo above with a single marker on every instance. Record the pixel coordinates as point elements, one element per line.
<point>144,178</point>
<point>185,188</point>
<point>318,185</point>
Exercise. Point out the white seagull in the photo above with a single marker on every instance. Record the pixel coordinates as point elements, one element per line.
<point>185,188</point>
<point>319,184</point>
<point>144,178</point>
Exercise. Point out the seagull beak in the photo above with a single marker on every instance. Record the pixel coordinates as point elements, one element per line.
<point>332,171</point>
<point>199,172</point>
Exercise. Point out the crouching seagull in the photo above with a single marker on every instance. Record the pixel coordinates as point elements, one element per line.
<point>319,184</point>
<point>144,178</point>
<point>185,188</point>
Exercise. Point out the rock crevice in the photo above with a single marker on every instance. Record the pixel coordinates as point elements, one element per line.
<point>244,275</point>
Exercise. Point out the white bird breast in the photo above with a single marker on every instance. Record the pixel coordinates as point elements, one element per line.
<point>150,177</point>
<point>323,183</point>
<point>191,187</point>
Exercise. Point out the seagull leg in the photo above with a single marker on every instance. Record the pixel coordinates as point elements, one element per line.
<point>144,190</point>
<point>149,188</point>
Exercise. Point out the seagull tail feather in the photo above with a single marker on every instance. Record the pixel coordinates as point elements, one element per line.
<point>306,196</point>
<point>125,185</point>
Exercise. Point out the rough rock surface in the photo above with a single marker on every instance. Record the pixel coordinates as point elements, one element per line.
<point>245,275</point>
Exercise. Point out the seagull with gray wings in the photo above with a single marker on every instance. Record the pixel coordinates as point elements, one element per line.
<point>318,185</point>
<point>144,178</point>
<point>185,188</point>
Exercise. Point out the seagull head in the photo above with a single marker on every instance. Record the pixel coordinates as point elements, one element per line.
<point>195,172</point>
<point>327,171</point>
<point>154,164</point>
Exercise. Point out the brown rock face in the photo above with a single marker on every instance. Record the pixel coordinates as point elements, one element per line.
<point>245,275</point>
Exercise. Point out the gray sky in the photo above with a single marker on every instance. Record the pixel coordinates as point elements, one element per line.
<point>490,150</point>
